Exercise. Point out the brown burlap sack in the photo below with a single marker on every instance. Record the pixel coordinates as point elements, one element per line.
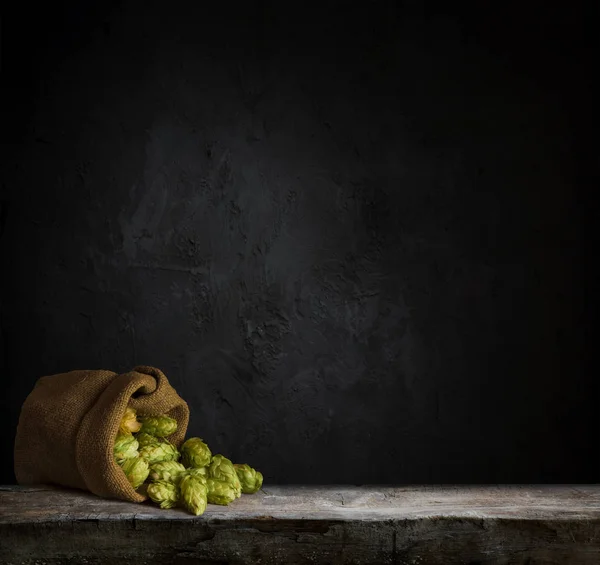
<point>69,421</point>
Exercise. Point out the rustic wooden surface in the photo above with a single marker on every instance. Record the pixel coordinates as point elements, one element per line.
<point>501,525</point>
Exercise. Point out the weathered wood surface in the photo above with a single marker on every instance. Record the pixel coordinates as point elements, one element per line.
<point>501,525</point>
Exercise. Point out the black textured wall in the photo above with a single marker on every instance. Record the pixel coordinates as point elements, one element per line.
<point>350,237</point>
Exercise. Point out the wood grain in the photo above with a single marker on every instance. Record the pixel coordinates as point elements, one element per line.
<point>549,524</point>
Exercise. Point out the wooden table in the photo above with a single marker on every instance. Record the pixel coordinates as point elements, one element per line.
<point>331,525</point>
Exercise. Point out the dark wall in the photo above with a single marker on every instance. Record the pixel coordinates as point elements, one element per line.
<point>352,238</point>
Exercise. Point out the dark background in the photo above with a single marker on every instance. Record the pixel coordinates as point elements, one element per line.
<point>351,235</point>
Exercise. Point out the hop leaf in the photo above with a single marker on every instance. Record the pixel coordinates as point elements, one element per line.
<point>193,494</point>
<point>250,479</point>
<point>126,447</point>
<point>220,492</point>
<point>170,471</point>
<point>159,426</point>
<point>195,453</point>
<point>129,423</point>
<point>136,470</point>
<point>163,451</point>
<point>222,469</point>
<point>145,439</point>
<point>164,493</point>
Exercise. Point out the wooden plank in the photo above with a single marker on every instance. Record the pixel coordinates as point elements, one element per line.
<point>550,524</point>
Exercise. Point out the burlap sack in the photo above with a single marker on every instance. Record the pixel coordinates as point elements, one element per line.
<point>68,424</point>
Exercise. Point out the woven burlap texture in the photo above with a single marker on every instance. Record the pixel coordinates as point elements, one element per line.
<point>68,423</point>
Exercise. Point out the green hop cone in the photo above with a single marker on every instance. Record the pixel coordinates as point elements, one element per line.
<point>145,439</point>
<point>170,471</point>
<point>164,493</point>
<point>136,470</point>
<point>195,453</point>
<point>193,494</point>
<point>250,479</point>
<point>222,469</point>
<point>198,473</point>
<point>220,492</point>
<point>163,451</point>
<point>129,421</point>
<point>158,426</point>
<point>126,447</point>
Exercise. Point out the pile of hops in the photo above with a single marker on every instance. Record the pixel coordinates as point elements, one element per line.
<point>190,478</point>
